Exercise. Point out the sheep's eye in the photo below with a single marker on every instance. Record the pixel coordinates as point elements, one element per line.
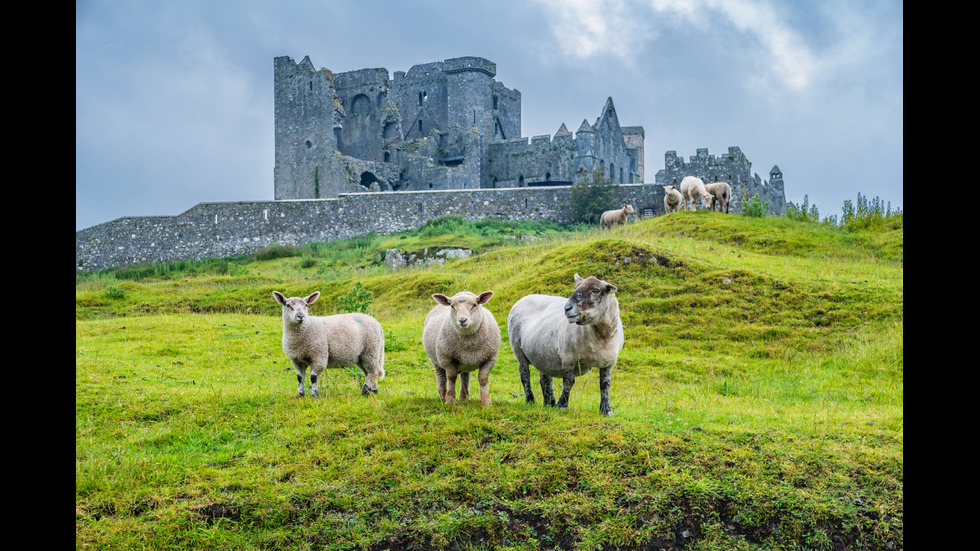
<point>596,291</point>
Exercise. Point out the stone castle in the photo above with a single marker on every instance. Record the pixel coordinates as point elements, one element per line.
<point>442,125</point>
<point>360,152</point>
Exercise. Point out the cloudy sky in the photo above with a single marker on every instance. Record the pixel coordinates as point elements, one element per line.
<point>174,100</point>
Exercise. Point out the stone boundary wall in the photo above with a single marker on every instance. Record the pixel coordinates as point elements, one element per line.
<point>230,228</point>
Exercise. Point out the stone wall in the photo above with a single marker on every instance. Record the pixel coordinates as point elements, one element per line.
<point>230,228</point>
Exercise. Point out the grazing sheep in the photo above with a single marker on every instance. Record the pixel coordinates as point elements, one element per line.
<point>672,199</point>
<point>567,338</point>
<point>460,336</point>
<point>692,188</point>
<point>320,342</point>
<point>612,218</point>
<point>721,192</point>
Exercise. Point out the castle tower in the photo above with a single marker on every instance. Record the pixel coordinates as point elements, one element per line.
<point>470,117</point>
<point>586,155</point>
<point>307,125</point>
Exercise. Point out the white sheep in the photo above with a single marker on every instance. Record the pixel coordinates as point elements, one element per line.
<point>335,341</point>
<point>461,336</point>
<point>612,218</point>
<point>566,338</point>
<point>692,188</point>
<point>722,193</point>
<point>672,199</point>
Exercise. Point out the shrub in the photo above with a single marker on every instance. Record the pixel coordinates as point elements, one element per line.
<point>592,194</point>
<point>755,208</point>
<point>357,299</point>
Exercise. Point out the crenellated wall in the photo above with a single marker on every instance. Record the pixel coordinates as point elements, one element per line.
<point>230,228</point>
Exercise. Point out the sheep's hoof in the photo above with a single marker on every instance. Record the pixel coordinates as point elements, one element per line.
<point>607,413</point>
<point>367,391</point>
<point>300,395</point>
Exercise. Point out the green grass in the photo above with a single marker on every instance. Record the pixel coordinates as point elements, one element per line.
<point>758,400</point>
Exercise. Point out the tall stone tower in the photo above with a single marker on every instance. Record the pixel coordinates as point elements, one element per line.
<point>307,124</point>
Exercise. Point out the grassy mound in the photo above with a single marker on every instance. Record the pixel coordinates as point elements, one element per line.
<point>758,400</point>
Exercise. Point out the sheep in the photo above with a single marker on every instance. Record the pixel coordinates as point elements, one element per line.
<point>567,338</point>
<point>692,188</point>
<point>460,336</point>
<point>612,218</point>
<point>722,193</point>
<point>335,341</point>
<point>672,199</point>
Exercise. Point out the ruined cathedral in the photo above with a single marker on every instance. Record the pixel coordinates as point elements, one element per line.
<point>446,125</point>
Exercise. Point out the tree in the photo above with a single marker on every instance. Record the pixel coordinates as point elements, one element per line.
<point>592,194</point>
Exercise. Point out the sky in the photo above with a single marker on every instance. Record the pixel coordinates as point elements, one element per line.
<point>174,100</point>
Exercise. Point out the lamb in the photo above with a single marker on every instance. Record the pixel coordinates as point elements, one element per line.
<point>567,338</point>
<point>612,218</point>
<point>460,336</point>
<point>692,188</point>
<point>721,192</point>
<point>672,199</point>
<point>335,341</point>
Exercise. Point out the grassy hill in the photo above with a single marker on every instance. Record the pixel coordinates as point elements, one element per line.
<point>758,400</point>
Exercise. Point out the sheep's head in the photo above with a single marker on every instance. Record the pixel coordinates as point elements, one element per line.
<point>294,309</point>
<point>466,309</point>
<point>628,209</point>
<point>668,189</point>
<point>589,301</point>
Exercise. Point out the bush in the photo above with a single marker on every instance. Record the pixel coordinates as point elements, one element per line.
<point>356,300</point>
<point>592,194</point>
<point>755,208</point>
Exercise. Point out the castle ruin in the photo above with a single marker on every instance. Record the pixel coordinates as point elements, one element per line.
<point>446,125</point>
<point>357,152</point>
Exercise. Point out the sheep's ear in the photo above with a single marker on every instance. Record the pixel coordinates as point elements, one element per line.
<point>279,297</point>
<point>312,298</point>
<point>577,279</point>
<point>610,288</point>
<point>484,297</point>
<point>441,299</point>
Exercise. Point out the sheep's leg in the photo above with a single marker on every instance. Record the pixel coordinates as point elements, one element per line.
<point>605,381</point>
<point>441,382</point>
<point>567,382</point>
<point>523,368</point>
<point>464,386</point>
<point>547,390</point>
<point>451,385</point>
<point>370,370</point>
<point>484,379</point>
<point>300,376</point>
<point>315,379</point>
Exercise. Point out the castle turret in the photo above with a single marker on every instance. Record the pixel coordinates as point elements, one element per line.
<point>469,96</point>
<point>307,125</point>
<point>585,148</point>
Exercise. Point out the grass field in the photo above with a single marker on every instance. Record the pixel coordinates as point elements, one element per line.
<point>758,399</point>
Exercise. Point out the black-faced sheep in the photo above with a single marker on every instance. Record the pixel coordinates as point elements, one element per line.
<point>692,188</point>
<point>722,193</point>
<point>616,217</point>
<point>672,199</point>
<point>567,337</point>
<point>461,336</point>
<point>335,341</point>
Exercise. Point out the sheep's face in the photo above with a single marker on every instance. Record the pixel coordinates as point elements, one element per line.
<point>589,301</point>
<point>465,308</point>
<point>295,309</point>
<point>628,209</point>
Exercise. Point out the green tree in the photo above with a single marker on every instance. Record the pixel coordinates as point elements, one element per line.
<point>592,194</point>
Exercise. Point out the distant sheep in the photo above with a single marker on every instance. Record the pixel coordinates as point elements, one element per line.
<point>692,188</point>
<point>722,193</point>
<point>672,199</point>
<point>566,338</point>
<point>616,217</point>
<point>461,336</point>
<point>335,341</point>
